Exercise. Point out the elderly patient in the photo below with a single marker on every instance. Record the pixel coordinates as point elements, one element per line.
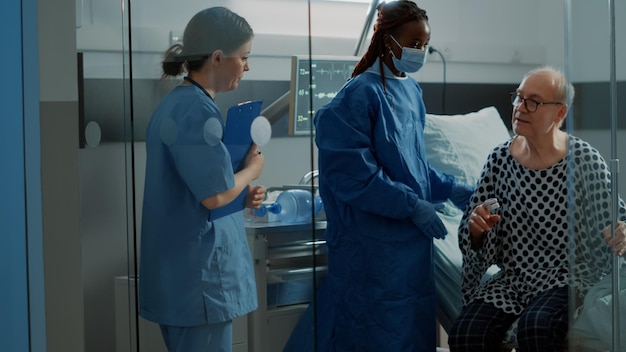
<point>541,177</point>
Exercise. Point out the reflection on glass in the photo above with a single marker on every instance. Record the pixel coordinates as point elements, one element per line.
<point>111,175</point>
<point>315,80</point>
<point>92,134</point>
<point>598,324</point>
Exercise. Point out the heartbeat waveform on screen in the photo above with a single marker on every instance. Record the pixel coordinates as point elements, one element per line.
<point>322,95</point>
<point>335,71</point>
<point>319,95</point>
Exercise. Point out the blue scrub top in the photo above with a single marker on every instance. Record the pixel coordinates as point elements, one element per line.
<point>192,271</point>
<point>373,169</point>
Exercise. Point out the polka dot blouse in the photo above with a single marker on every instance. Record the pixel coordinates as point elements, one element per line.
<point>530,243</point>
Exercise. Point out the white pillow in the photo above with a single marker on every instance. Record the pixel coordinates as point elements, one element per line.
<point>459,144</point>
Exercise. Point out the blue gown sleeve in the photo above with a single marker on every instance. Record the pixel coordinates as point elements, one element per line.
<point>441,184</point>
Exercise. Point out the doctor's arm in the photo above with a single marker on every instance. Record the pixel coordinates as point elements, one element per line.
<point>444,186</point>
<point>350,171</point>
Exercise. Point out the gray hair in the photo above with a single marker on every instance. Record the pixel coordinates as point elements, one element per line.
<point>565,90</point>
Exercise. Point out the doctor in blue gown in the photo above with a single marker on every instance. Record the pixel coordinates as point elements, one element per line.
<point>196,271</point>
<point>379,192</point>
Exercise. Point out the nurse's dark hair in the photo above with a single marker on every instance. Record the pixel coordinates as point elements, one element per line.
<point>391,16</point>
<point>214,28</point>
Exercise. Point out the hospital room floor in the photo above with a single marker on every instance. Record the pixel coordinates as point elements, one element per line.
<point>442,339</point>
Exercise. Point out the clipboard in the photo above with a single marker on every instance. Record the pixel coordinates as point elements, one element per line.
<point>237,139</point>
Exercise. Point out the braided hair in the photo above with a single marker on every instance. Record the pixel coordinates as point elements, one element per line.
<point>391,16</point>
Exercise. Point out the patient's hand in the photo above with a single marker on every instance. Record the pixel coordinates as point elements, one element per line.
<point>617,242</point>
<point>479,222</point>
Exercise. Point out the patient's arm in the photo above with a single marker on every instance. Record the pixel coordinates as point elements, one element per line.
<point>618,241</point>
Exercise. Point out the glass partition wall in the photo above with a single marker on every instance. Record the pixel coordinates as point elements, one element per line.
<point>106,172</point>
<point>599,82</point>
<point>121,46</point>
<point>301,54</point>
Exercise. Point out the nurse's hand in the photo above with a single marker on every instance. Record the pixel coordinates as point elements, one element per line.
<point>256,195</point>
<point>426,219</point>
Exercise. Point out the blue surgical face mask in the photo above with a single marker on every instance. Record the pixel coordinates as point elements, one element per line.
<point>412,59</point>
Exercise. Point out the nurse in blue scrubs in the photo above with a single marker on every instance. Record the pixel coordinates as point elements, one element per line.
<point>380,195</point>
<point>196,271</point>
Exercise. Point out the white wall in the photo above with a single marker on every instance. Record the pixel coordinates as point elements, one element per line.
<point>462,30</point>
<point>591,44</point>
<point>483,40</point>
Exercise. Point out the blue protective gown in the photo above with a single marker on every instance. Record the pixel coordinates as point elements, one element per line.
<point>373,168</point>
<point>193,271</point>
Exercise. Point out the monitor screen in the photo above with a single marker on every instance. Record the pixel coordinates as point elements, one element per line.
<point>315,80</point>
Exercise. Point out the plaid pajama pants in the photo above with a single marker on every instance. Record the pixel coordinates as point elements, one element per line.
<point>542,326</point>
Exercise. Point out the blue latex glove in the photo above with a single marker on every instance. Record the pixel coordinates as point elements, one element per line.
<point>460,195</point>
<point>425,217</point>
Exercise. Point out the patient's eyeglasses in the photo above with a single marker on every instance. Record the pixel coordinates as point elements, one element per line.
<point>530,104</point>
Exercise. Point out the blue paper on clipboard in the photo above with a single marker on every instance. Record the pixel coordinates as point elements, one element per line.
<point>238,139</point>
